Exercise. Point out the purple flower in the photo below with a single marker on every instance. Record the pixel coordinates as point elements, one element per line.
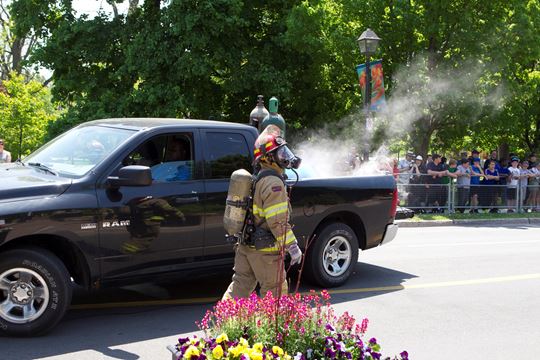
<point>329,327</point>
<point>329,340</point>
<point>182,341</point>
<point>376,355</point>
<point>329,353</point>
<point>372,341</point>
<point>404,355</point>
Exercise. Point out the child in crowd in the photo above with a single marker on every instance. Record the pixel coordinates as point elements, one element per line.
<point>491,192</point>
<point>503,176</point>
<point>523,181</point>
<point>463,184</point>
<point>514,175</point>
<point>476,174</point>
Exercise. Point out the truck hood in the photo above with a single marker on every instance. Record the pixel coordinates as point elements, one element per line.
<point>19,182</point>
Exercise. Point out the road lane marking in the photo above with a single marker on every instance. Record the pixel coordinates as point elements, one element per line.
<point>510,242</point>
<point>207,300</point>
<point>438,284</point>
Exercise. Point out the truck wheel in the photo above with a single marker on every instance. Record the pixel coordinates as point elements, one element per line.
<point>35,291</point>
<point>332,256</point>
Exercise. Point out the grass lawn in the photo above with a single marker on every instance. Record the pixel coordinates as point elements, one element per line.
<point>424,217</point>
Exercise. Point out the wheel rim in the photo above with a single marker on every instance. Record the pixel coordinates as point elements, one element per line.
<point>337,256</point>
<point>24,295</point>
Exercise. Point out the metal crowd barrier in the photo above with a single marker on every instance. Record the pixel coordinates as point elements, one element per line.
<point>417,193</point>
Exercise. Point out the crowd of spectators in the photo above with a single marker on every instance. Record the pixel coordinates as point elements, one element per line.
<point>482,185</point>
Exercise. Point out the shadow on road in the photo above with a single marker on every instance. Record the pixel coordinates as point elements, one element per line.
<point>367,280</point>
<point>101,330</point>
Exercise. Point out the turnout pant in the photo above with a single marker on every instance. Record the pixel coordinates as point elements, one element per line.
<point>253,266</point>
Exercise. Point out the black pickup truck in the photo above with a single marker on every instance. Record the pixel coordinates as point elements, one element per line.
<point>111,202</point>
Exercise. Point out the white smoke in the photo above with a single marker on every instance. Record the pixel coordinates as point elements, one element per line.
<point>326,152</point>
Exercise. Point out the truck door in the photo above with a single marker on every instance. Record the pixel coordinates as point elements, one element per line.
<point>157,228</point>
<point>224,151</point>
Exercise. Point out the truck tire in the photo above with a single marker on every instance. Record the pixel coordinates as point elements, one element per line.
<point>333,256</point>
<point>35,291</point>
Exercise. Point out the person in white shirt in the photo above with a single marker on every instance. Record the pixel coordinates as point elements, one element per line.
<point>463,174</point>
<point>523,181</point>
<point>404,168</point>
<point>5,156</point>
<point>512,183</point>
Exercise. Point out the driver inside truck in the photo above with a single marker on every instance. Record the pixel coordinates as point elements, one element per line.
<point>176,163</point>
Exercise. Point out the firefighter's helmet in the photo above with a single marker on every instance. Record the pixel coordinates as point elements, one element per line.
<point>266,144</point>
<point>274,148</point>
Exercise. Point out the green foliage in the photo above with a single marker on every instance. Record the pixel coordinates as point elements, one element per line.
<point>466,71</point>
<point>25,111</point>
<point>205,59</point>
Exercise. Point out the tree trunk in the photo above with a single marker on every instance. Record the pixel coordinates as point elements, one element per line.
<point>16,51</point>
<point>421,139</point>
<point>423,143</point>
<point>504,150</point>
<point>132,6</point>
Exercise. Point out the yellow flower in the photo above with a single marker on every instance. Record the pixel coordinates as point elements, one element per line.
<point>221,338</point>
<point>191,351</point>
<point>244,342</point>
<point>258,347</point>
<point>217,352</point>
<point>235,351</point>
<point>287,357</point>
<point>256,355</point>
<point>277,350</point>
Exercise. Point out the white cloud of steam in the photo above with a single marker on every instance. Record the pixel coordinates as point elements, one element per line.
<point>414,95</point>
<point>326,151</point>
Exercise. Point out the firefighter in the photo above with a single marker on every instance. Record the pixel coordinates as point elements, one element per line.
<point>259,257</point>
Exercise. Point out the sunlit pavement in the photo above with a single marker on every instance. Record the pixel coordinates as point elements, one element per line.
<point>439,293</point>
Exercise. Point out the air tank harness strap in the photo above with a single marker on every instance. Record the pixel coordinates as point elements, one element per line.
<point>237,203</point>
<point>250,230</point>
<point>264,173</point>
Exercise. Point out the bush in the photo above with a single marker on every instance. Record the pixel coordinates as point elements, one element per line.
<point>291,327</point>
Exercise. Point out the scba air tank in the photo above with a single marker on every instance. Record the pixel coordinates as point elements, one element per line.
<point>237,201</point>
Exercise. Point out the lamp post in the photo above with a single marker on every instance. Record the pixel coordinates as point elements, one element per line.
<point>367,42</point>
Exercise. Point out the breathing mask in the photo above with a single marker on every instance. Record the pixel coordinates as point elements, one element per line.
<point>285,158</point>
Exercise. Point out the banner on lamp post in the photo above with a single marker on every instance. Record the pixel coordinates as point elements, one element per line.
<point>377,83</point>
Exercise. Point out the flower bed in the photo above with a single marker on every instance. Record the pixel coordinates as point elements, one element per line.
<point>291,327</point>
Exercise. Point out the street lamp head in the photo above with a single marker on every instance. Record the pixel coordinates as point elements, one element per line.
<point>368,42</point>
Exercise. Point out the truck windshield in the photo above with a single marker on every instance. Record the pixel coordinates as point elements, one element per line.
<point>79,150</point>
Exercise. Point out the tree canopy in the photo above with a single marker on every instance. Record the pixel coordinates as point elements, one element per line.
<point>457,73</point>
<point>26,110</point>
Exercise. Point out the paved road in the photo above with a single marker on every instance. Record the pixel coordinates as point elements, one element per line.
<point>441,292</point>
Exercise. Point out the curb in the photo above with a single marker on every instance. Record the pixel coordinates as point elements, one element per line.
<point>465,222</point>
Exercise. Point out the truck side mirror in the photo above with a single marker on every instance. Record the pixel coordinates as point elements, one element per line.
<point>132,175</point>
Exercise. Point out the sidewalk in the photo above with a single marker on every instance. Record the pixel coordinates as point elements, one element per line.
<point>464,222</point>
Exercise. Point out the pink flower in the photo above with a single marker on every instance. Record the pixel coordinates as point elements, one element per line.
<point>325,295</point>
<point>363,327</point>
